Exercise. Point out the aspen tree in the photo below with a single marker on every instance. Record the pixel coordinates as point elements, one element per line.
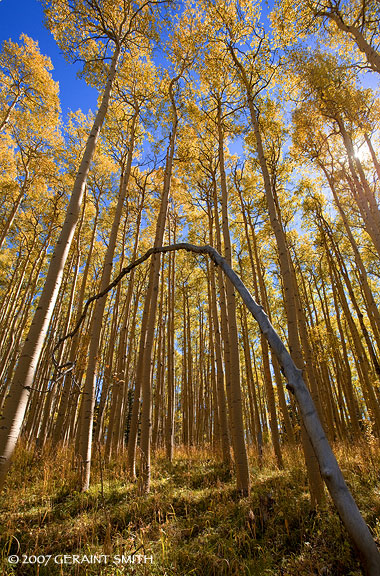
<point>363,364</point>
<point>252,393</point>
<point>219,91</point>
<point>62,412</point>
<point>346,22</point>
<point>143,375</point>
<point>170,411</point>
<point>160,349</point>
<point>222,407</point>
<point>36,136</point>
<point>26,85</point>
<point>75,26</point>
<point>345,371</point>
<point>24,303</point>
<point>252,67</point>
<point>256,275</point>
<point>236,406</point>
<point>308,139</point>
<point>87,414</point>
<point>332,94</point>
<point>47,388</point>
<point>206,182</point>
<point>332,475</point>
<point>114,431</point>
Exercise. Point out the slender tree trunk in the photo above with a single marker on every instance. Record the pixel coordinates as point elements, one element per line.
<point>143,375</point>
<point>240,451</point>
<point>222,405</point>
<point>86,424</point>
<point>374,315</point>
<point>331,473</point>
<point>361,190</point>
<point>67,384</point>
<point>15,208</point>
<point>161,349</point>
<point>316,487</point>
<point>169,422</point>
<point>17,400</point>
<point>251,385</point>
<point>373,154</point>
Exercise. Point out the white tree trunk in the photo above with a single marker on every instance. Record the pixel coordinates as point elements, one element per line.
<point>329,467</point>
<point>18,396</point>
<point>87,414</point>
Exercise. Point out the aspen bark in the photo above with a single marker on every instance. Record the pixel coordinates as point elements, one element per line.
<point>251,385</point>
<point>374,314</point>
<point>169,422</point>
<point>161,350</point>
<point>316,487</point>
<point>236,412</point>
<point>361,190</point>
<point>14,210</point>
<point>87,416</point>
<point>114,434</point>
<point>67,384</point>
<point>222,406</point>
<point>143,374</point>
<point>288,279</point>
<point>330,471</point>
<point>17,400</point>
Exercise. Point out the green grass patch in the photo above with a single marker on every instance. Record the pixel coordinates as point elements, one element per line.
<point>191,523</point>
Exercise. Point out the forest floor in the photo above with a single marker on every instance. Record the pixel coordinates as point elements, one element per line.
<point>192,522</point>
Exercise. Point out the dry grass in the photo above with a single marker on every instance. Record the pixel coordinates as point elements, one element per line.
<point>192,521</point>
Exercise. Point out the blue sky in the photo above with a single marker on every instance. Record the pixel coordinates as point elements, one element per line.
<point>26,16</point>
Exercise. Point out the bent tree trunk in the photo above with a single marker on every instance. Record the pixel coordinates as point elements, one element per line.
<point>329,467</point>
<point>19,391</point>
<point>330,471</point>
